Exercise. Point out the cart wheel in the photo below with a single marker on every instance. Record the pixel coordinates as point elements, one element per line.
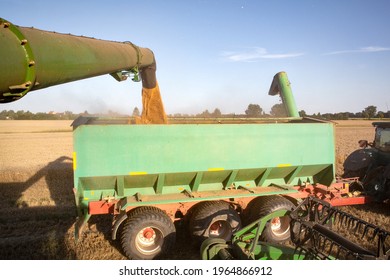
<point>277,229</point>
<point>147,233</point>
<point>215,219</point>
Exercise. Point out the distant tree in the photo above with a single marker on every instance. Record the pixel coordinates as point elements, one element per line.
<point>19,115</point>
<point>341,116</point>
<point>380,114</point>
<point>217,113</point>
<point>68,115</point>
<point>348,115</point>
<point>136,112</point>
<point>205,114</point>
<point>369,112</point>
<point>278,111</point>
<point>302,113</point>
<point>28,115</point>
<point>326,116</point>
<point>254,111</point>
<point>358,115</point>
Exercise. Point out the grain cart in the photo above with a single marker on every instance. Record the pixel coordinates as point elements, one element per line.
<point>371,164</point>
<point>219,175</point>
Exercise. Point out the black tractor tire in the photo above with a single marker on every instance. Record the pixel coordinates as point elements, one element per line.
<point>214,219</point>
<point>147,233</point>
<point>377,183</point>
<point>276,230</point>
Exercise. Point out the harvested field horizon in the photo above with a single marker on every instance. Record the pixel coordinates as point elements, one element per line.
<point>37,212</point>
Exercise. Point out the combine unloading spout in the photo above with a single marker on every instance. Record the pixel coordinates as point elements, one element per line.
<point>33,59</point>
<point>281,85</point>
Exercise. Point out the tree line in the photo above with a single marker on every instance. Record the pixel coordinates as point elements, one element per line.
<point>252,111</point>
<point>278,111</point>
<point>27,115</point>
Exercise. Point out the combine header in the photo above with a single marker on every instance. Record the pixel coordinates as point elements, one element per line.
<point>319,231</point>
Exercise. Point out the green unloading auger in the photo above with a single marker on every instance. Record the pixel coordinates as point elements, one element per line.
<point>32,59</point>
<point>281,85</point>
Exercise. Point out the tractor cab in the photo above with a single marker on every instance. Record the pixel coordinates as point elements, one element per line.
<point>381,143</point>
<point>382,137</point>
<point>371,163</point>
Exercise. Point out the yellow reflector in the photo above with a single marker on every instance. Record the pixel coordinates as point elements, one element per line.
<point>138,173</point>
<point>216,169</point>
<point>284,165</point>
<point>74,161</point>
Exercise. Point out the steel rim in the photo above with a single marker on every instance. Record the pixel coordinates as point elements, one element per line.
<point>280,226</point>
<point>149,240</point>
<point>220,229</point>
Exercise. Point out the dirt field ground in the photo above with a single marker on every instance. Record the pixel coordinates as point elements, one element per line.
<point>37,211</point>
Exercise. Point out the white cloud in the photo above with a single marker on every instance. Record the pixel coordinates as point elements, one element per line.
<point>369,49</point>
<point>255,54</point>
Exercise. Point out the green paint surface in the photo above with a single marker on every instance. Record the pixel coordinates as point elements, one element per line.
<point>169,159</point>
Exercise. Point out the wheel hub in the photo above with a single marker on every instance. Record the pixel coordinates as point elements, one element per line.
<point>275,223</point>
<point>148,233</point>
<point>219,229</point>
<point>149,240</point>
<point>280,225</point>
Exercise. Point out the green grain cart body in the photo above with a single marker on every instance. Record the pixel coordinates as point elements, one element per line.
<point>160,164</point>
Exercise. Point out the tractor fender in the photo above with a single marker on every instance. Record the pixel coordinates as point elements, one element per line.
<point>358,162</point>
<point>116,224</point>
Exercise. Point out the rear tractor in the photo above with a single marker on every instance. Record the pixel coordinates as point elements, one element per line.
<point>371,164</point>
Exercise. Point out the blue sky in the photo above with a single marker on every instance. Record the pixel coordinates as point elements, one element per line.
<point>223,54</point>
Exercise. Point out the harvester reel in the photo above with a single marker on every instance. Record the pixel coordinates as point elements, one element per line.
<point>312,235</point>
<point>314,238</point>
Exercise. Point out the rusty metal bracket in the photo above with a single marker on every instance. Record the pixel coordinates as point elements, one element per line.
<point>188,193</point>
<point>281,187</point>
<point>138,197</point>
<point>245,188</point>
